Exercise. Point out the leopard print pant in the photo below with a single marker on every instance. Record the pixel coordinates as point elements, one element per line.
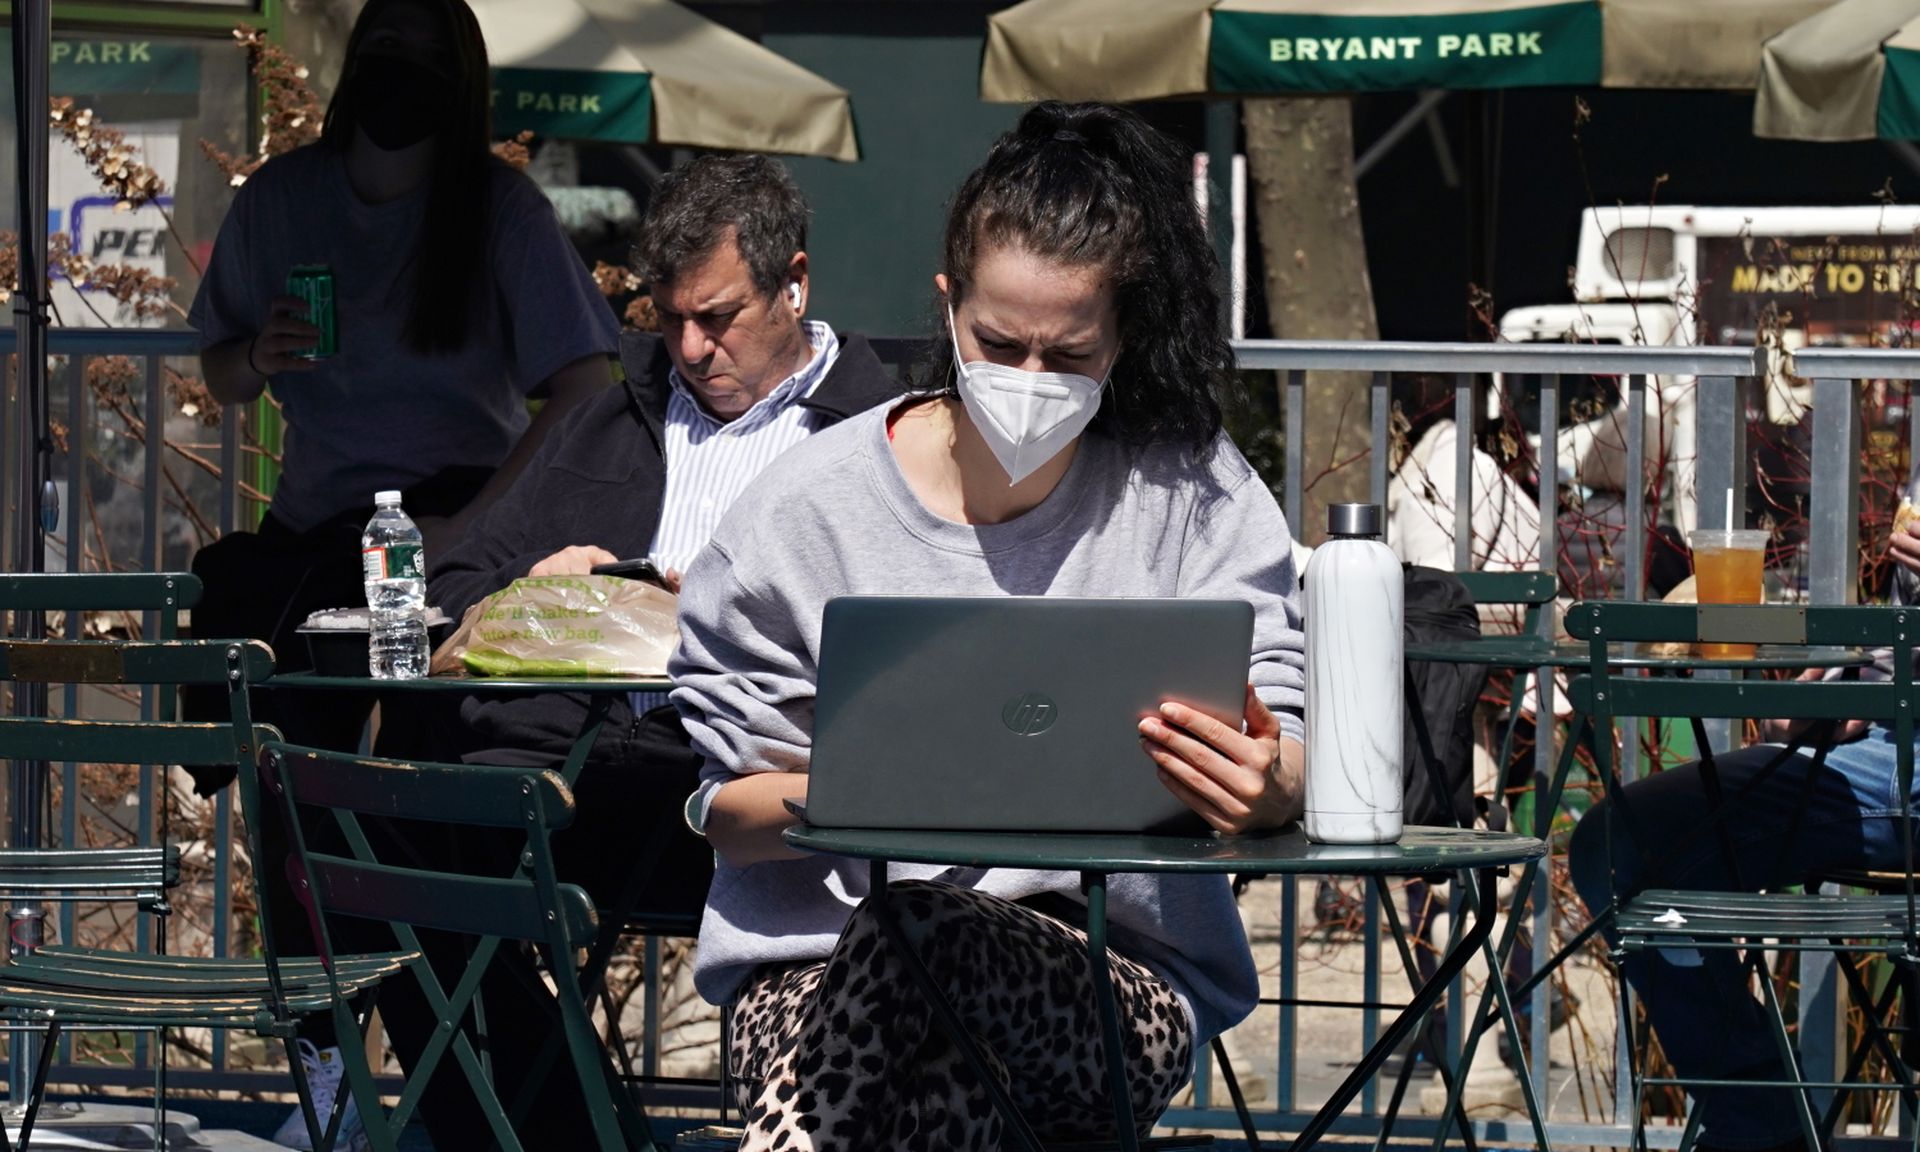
<point>843,1054</point>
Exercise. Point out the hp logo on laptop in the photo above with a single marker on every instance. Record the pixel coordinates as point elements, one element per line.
<point>1029,714</point>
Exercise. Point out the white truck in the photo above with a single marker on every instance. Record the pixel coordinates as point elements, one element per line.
<point>1785,277</point>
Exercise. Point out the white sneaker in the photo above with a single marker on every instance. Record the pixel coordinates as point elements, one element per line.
<point>324,1069</point>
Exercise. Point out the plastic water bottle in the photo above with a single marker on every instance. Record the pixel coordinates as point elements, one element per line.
<point>1355,688</point>
<point>395,568</point>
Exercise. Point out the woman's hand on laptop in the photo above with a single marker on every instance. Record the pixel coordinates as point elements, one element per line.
<point>1238,781</point>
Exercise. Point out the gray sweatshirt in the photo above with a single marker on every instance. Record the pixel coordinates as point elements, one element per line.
<point>835,516</point>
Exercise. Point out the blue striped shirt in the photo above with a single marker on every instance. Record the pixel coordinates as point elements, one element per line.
<point>710,462</point>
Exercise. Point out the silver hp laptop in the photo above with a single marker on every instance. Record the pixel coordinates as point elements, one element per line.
<point>1012,713</point>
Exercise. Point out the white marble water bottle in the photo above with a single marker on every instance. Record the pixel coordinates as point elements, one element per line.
<point>1355,684</point>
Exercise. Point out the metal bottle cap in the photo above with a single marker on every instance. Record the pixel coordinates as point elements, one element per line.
<point>1353,519</point>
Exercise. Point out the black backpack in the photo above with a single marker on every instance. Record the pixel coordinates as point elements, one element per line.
<point>1438,608</point>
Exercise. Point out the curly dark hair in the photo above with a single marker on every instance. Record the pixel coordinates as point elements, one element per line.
<point>1095,185</point>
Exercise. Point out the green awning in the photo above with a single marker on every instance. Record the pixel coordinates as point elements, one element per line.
<point>650,71</point>
<point>115,64</point>
<point>1149,49</point>
<point>1849,73</point>
<point>573,105</point>
<point>124,64</point>
<point>1532,46</point>
<point>123,77</point>
<point>1897,112</point>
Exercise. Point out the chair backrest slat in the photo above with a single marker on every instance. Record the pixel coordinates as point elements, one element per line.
<point>1531,588</point>
<point>99,591</point>
<point>449,902</point>
<point>55,876</point>
<point>132,662</point>
<point>1852,625</point>
<point>1737,699</point>
<point>421,895</point>
<point>476,795</point>
<point>125,742</point>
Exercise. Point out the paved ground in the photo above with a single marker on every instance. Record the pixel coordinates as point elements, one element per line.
<point>198,1124</point>
<point>1331,967</point>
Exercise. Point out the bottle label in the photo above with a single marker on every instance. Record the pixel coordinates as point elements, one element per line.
<point>394,562</point>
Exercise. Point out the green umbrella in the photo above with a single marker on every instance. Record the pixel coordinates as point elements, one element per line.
<point>1849,73</point>
<point>1150,49</point>
<point>650,71</point>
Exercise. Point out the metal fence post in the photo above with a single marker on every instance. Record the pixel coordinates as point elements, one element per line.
<point>1293,413</point>
<point>31,27</point>
<point>1382,413</point>
<point>1720,467</point>
<point>1720,451</point>
<point>1833,512</point>
<point>1543,746</point>
<point>1833,530</point>
<point>1462,472</point>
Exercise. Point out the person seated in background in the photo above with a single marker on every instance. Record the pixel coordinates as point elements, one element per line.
<point>1503,517</point>
<point>1067,443</point>
<point>1784,827</point>
<point>737,376</point>
<point>456,296</point>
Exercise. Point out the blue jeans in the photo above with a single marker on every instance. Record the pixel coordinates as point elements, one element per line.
<point>1699,1002</point>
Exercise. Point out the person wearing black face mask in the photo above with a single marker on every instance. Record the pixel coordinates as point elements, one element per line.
<point>398,102</point>
<point>457,297</point>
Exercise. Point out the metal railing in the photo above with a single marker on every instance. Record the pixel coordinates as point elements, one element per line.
<point>1721,463</point>
<point>75,408</point>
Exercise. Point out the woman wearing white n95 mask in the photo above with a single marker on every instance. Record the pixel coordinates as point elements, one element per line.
<point>1027,417</point>
<point>1068,445</point>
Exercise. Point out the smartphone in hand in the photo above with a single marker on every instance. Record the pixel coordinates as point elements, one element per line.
<point>641,569</point>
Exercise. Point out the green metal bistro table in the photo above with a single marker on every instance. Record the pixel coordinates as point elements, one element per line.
<point>600,691</point>
<point>1540,654</point>
<point>1095,857</point>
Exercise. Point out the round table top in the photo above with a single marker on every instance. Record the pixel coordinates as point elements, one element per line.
<point>472,685</point>
<point>1533,652</point>
<point>1419,850</point>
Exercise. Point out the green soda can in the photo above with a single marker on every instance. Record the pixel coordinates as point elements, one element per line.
<point>313,285</point>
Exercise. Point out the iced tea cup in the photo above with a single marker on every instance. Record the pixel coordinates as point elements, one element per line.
<point>1726,570</point>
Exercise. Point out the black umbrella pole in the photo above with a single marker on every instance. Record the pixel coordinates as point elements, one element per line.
<point>27,780</point>
<point>33,450</point>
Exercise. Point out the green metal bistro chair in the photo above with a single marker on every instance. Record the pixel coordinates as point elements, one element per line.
<point>143,873</point>
<point>531,907</point>
<point>1532,591</point>
<point>69,988</point>
<point>1748,923</point>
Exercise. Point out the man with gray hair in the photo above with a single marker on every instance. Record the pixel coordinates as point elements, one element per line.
<point>736,376</point>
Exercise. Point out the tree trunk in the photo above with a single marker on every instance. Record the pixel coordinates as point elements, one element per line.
<point>1300,156</point>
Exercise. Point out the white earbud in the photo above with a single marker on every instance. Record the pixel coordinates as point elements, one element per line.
<point>793,294</point>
